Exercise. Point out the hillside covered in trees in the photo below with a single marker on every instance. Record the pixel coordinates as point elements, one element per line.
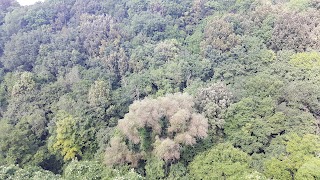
<point>160,89</point>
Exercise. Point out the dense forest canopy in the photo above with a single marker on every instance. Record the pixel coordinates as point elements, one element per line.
<point>160,89</point>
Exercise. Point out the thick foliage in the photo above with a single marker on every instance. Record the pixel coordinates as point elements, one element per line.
<point>84,83</point>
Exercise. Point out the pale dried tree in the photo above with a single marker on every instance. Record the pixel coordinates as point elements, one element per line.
<point>167,149</point>
<point>165,123</point>
<point>118,153</point>
<point>212,102</point>
<point>219,34</point>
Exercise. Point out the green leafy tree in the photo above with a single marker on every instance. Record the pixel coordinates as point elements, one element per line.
<point>12,172</point>
<point>250,57</point>
<point>221,162</point>
<point>251,122</point>
<point>100,101</point>
<point>154,169</point>
<point>87,170</point>
<point>306,60</point>
<point>309,170</point>
<point>301,152</point>
<point>178,171</point>
<point>22,50</point>
<point>23,118</point>
<point>299,5</point>
<point>64,140</point>
<point>128,175</point>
